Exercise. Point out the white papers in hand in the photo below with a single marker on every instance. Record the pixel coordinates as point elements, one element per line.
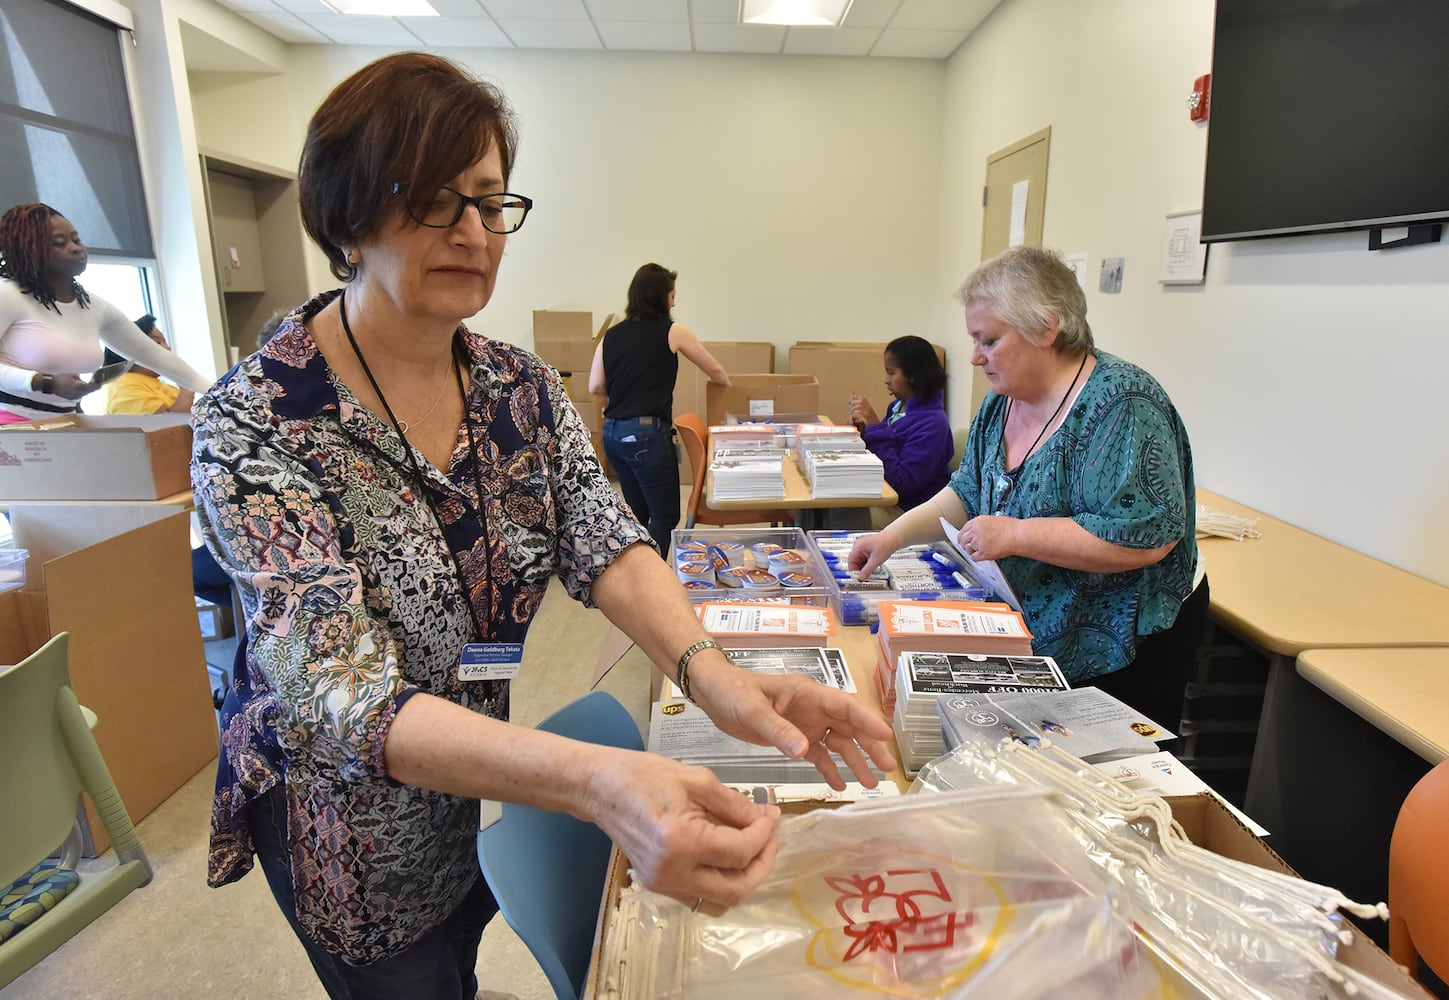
<point>986,570</point>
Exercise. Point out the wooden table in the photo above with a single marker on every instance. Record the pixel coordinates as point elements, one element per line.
<point>1291,590</point>
<point>1326,782</point>
<point>1403,693</point>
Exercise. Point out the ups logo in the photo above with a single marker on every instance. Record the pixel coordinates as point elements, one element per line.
<point>673,708</point>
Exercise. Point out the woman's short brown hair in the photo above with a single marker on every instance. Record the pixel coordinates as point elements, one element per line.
<point>412,120</point>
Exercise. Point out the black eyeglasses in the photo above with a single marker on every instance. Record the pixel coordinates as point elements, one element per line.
<point>502,213</point>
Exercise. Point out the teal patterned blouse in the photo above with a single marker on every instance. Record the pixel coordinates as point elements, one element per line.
<point>1121,467</point>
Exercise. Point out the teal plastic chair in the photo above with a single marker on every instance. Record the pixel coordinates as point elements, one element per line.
<point>547,869</point>
<point>47,758</point>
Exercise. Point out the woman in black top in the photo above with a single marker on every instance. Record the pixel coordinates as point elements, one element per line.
<point>635,366</point>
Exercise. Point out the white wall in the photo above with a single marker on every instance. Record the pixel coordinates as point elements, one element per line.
<point>795,195</point>
<point>1310,372</point>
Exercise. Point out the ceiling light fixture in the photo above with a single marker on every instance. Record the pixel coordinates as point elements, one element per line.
<point>830,13</point>
<point>384,8</point>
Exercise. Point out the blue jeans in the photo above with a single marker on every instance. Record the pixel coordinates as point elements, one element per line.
<point>641,450</point>
<point>439,966</point>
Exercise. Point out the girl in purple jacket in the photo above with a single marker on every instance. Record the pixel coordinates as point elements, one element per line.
<point>914,440</point>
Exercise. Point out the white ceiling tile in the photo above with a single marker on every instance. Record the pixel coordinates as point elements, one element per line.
<point>305,7</point>
<point>918,44</point>
<point>359,29</point>
<point>287,27</point>
<point>478,31</point>
<point>644,36</point>
<point>638,10</point>
<point>536,10</point>
<point>946,15</point>
<point>738,37</point>
<point>714,11</point>
<point>458,8</point>
<point>817,41</point>
<point>256,5</point>
<point>870,13</point>
<point>528,34</point>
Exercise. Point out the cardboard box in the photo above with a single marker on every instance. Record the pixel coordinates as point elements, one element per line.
<point>1205,820</point>
<point>750,393</point>
<point>566,339</point>
<point>590,407</point>
<point>843,368</point>
<point>82,457</point>
<point>215,620</point>
<point>738,357</point>
<point>117,577</point>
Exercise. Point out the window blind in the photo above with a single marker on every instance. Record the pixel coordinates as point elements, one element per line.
<point>66,133</point>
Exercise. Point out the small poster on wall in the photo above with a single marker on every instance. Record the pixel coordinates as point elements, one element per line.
<point>1184,255</point>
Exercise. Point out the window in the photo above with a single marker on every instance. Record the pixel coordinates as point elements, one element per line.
<point>66,134</point>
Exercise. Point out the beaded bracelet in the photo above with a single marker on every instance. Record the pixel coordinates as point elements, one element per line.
<point>682,673</point>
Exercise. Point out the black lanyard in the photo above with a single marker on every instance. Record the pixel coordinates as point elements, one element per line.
<point>420,480</point>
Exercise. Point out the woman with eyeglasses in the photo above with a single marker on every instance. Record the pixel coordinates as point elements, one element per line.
<point>391,493</point>
<point>1077,480</point>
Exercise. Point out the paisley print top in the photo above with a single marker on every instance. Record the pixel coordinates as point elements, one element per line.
<point>353,604</point>
<point>1121,467</point>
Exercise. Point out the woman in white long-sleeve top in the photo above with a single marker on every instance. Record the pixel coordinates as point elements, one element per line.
<point>52,332</point>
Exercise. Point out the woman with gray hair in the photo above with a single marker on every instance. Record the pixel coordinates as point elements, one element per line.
<point>1077,480</point>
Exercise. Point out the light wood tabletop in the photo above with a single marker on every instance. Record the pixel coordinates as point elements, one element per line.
<point>1403,692</point>
<point>1290,590</point>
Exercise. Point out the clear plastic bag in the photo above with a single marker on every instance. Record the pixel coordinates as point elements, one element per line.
<point>1233,929</point>
<point>978,894</point>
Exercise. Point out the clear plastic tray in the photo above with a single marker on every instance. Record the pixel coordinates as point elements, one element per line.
<point>817,595</point>
<point>12,568</point>
<point>859,607</point>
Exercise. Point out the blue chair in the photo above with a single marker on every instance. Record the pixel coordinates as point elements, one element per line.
<point>547,869</point>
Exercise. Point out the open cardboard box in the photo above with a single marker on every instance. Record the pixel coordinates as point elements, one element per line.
<point>760,394</point>
<point>1205,820</point>
<point>845,367</point>
<point>117,577</point>
<point>566,339</point>
<point>77,456</point>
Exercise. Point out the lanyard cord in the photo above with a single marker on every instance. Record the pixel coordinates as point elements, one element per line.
<point>420,481</point>
<point>1006,415</point>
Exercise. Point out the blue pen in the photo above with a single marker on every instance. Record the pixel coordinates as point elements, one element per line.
<point>966,584</point>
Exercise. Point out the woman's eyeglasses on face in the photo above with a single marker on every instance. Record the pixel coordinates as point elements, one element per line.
<point>502,213</point>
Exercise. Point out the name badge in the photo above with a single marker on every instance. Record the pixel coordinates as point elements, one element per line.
<point>490,661</point>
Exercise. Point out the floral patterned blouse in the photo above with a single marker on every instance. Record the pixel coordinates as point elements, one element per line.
<point>1120,466</point>
<point>353,604</point>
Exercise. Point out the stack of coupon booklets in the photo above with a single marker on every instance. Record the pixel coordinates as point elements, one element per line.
<point>843,474</point>
<point>683,731</point>
<point>753,626</point>
<point>748,471</point>
<point>937,649</point>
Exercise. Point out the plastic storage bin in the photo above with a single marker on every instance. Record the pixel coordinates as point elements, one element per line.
<point>944,576</point>
<point>12,568</point>
<point>815,592</point>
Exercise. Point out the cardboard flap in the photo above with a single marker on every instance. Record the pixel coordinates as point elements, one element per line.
<point>51,530</point>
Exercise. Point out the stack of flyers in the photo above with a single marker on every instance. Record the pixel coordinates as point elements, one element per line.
<point>766,625</point>
<point>683,731</point>
<point>923,678</point>
<point>1086,722</point>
